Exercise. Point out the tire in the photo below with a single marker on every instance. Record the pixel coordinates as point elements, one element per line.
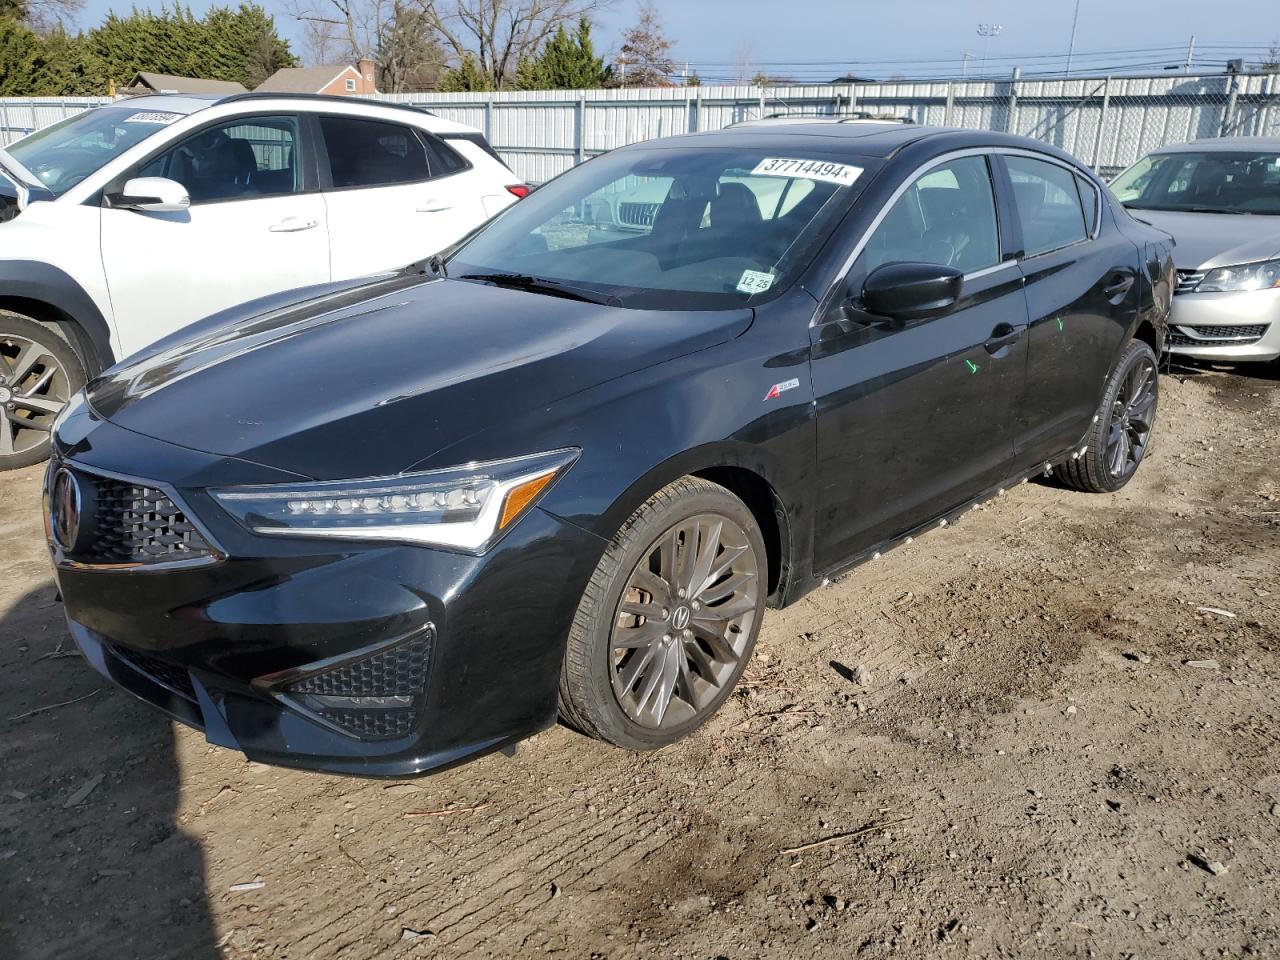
<point>39,373</point>
<point>1121,432</point>
<point>696,644</point>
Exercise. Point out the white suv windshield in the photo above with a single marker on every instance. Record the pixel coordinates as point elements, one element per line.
<point>670,228</point>
<point>62,155</point>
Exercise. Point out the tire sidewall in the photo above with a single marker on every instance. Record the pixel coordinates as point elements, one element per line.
<point>639,541</point>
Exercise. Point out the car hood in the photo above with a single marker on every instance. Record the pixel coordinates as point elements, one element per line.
<point>1207,240</point>
<point>370,381</point>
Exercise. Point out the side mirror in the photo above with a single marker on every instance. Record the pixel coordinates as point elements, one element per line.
<point>153,195</point>
<point>912,291</point>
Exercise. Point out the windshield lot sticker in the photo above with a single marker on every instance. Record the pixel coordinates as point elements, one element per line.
<point>153,117</point>
<point>838,173</point>
<point>753,281</point>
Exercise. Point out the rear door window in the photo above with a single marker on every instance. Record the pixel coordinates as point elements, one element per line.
<point>1048,203</point>
<point>373,153</point>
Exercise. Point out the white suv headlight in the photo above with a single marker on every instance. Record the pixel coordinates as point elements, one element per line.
<point>462,508</point>
<point>1246,276</point>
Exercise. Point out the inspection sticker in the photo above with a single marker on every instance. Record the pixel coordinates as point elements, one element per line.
<point>753,281</point>
<point>153,117</point>
<point>838,173</point>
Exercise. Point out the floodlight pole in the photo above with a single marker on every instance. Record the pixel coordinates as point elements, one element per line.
<point>1071,47</point>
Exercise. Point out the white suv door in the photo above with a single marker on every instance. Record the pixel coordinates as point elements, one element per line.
<point>253,228</point>
<point>395,194</point>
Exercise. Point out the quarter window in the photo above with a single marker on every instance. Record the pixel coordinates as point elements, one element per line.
<point>1088,200</point>
<point>947,216</point>
<point>1048,204</point>
<point>237,160</point>
<point>372,153</point>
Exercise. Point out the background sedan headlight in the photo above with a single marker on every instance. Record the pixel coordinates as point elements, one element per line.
<point>462,508</point>
<point>1247,276</point>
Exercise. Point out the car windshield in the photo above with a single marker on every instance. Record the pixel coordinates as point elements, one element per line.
<point>668,228</point>
<point>1209,182</point>
<point>62,155</point>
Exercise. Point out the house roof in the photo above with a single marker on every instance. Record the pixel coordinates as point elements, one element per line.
<point>164,83</point>
<point>304,79</point>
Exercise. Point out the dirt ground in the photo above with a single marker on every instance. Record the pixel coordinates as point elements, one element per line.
<point>1054,748</point>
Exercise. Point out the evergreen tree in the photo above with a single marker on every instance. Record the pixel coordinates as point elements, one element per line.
<point>466,77</point>
<point>18,49</point>
<point>567,62</point>
<point>64,67</point>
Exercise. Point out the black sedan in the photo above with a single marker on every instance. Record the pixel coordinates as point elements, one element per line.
<point>384,527</point>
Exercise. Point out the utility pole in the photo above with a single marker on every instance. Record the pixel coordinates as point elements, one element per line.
<point>1071,47</point>
<point>1191,49</point>
<point>987,31</point>
<point>964,63</point>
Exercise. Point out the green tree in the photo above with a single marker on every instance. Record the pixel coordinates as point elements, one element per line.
<point>19,47</point>
<point>466,77</point>
<point>568,61</point>
<point>65,67</point>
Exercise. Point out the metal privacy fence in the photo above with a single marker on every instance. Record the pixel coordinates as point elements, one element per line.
<point>1109,122</point>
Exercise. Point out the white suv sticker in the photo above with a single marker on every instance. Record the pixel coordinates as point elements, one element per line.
<point>163,118</point>
<point>839,173</point>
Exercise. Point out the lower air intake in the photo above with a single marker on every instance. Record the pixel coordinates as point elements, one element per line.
<point>374,697</point>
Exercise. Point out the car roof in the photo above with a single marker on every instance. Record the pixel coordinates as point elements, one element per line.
<point>1224,145</point>
<point>191,103</point>
<point>875,140</point>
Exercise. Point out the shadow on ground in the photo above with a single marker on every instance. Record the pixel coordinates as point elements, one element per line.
<point>92,861</point>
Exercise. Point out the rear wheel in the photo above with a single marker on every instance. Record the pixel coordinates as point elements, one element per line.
<point>668,622</point>
<point>39,373</point>
<point>1121,429</point>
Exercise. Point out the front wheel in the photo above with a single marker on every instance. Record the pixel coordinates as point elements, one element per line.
<point>39,373</point>
<point>668,622</point>
<point>1121,430</point>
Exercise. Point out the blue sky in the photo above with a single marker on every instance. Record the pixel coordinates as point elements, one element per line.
<point>718,36</point>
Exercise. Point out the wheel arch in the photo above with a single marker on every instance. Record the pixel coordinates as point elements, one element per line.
<point>52,298</point>
<point>744,472</point>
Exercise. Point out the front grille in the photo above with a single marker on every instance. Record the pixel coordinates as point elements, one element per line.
<point>374,698</point>
<point>638,214</point>
<point>1234,335</point>
<point>1188,280</point>
<point>176,678</point>
<point>136,524</point>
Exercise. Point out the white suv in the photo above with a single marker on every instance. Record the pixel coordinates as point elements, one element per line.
<point>122,224</point>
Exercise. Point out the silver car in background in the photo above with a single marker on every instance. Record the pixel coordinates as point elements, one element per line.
<point>1220,199</point>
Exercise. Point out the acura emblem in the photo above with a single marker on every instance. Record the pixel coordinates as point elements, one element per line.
<point>65,507</point>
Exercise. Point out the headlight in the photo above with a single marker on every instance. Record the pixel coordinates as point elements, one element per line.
<point>462,508</point>
<point>1247,276</point>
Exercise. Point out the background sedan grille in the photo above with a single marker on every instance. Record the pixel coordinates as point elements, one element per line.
<point>1237,335</point>
<point>638,214</point>
<point>1188,280</point>
<point>374,698</point>
<point>136,524</point>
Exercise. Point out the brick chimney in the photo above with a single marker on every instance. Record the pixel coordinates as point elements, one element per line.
<point>368,75</point>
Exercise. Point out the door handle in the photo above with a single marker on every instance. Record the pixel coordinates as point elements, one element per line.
<point>1119,286</point>
<point>293,225</point>
<point>1004,335</point>
<point>434,206</point>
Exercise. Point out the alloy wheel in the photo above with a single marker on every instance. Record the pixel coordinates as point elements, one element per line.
<point>1132,414</point>
<point>684,621</point>
<point>34,388</point>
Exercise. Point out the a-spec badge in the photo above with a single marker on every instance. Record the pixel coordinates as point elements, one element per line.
<point>778,389</point>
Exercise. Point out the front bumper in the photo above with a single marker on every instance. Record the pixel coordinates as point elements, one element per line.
<point>1226,326</point>
<point>375,660</point>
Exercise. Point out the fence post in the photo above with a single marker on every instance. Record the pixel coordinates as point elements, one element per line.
<point>762,101</point>
<point>1231,105</point>
<point>488,119</point>
<point>1102,122</point>
<point>697,111</point>
<point>4,123</point>
<point>853,99</point>
<point>951,102</point>
<point>580,135</point>
<point>1013,100</point>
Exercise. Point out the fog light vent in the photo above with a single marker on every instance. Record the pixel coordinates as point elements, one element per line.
<point>374,697</point>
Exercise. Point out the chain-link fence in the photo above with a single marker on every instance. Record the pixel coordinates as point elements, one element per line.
<point>1108,122</point>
